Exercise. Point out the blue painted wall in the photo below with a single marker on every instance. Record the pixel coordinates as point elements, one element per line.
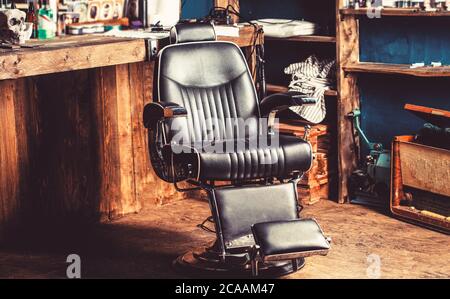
<point>251,8</point>
<point>405,41</point>
<point>254,9</point>
<point>196,8</point>
<point>389,40</point>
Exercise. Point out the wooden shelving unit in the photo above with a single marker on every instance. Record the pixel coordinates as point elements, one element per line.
<point>393,12</point>
<point>350,70</point>
<point>319,181</point>
<point>317,40</point>
<point>397,69</point>
<point>306,39</point>
<point>246,37</point>
<point>273,88</point>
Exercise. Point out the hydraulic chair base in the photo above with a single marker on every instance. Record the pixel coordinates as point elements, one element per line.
<point>206,262</point>
<point>235,210</point>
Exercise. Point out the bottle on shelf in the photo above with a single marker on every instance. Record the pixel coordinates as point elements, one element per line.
<point>46,25</point>
<point>31,17</point>
<point>420,4</point>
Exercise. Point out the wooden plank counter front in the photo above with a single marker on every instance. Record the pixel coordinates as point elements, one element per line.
<point>72,141</point>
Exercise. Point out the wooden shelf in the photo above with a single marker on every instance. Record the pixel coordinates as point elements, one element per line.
<point>395,12</point>
<point>331,93</point>
<point>272,88</point>
<point>306,38</point>
<point>399,69</point>
<point>246,37</point>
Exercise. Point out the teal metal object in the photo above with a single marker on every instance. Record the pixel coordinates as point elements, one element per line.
<point>370,184</point>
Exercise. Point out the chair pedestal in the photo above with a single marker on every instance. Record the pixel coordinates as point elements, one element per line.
<point>235,210</point>
<point>206,262</point>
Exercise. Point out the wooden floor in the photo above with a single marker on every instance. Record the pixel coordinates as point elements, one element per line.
<point>143,246</point>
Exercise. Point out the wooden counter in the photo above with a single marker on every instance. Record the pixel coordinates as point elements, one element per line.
<point>72,143</point>
<point>69,54</point>
<point>71,139</point>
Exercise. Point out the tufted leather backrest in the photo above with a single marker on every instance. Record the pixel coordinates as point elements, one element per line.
<point>212,81</point>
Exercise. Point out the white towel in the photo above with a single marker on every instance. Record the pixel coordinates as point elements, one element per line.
<point>312,77</point>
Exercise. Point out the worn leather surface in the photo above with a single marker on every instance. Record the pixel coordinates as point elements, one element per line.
<point>239,208</point>
<point>282,101</point>
<point>254,161</point>
<point>212,82</point>
<point>289,237</point>
<point>184,33</point>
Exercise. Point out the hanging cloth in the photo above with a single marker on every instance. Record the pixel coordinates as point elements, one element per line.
<point>312,77</point>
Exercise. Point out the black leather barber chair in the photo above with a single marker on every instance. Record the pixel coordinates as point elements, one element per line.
<point>206,125</point>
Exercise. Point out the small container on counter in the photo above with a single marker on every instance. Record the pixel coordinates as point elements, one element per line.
<point>80,29</point>
<point>65,19</point>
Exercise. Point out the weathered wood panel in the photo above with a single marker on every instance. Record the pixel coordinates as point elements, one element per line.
<point>425,168</point>
<point>125,140</point>
<point>140,94</point>
<point>9,159</point>
<point>150,190</point>
<point>65,158</point>
<point>72,145</point>
<point>247,38</point>
<point>69,54</point>
<point>422,178</point>
<point>348,53</point>
<point>397,69</point>
<point>105,117</point>
<point>233,3</point>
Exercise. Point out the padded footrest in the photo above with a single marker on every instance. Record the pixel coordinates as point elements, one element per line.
<point>288,240</point>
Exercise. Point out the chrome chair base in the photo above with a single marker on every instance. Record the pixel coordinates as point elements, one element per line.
<point>205,262</point>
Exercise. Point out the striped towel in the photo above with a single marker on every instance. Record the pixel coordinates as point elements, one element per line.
<point>312,77</point>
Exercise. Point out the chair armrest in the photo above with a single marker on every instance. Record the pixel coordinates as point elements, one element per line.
<point>281,101</point>
<point>155,112</point>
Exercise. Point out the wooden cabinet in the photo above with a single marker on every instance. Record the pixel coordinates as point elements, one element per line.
<point>420,189</point>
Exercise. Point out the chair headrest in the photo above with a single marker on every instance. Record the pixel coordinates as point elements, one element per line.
<point>192,32</point>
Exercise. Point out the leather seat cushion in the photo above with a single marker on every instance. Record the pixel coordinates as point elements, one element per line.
<point>254,161</point>
<point>295,236</point>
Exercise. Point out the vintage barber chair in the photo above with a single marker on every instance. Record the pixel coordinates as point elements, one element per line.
<point>206,125</point>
